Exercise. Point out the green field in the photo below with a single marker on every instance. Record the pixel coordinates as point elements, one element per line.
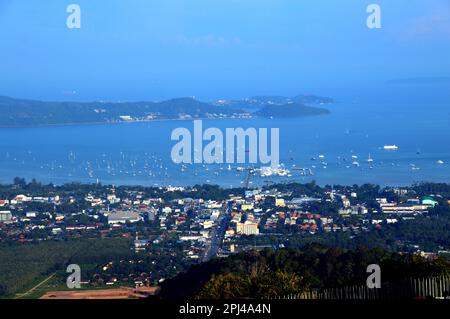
<point>25,266</point>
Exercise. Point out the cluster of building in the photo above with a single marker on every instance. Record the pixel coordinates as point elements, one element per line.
<point>203,224</point>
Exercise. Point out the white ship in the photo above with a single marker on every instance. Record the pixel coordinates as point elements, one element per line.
<point>390,147</point>
<point>355,163</point>
<point>267,171</point>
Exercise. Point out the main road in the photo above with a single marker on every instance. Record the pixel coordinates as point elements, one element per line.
<point>217,234</point>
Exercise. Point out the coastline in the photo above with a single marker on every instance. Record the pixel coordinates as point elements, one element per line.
<point>147,121</point>
<point>116,123</point>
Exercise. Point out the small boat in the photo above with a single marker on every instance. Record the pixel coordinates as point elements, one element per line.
<point>390,147</point>
<point>440,162</point>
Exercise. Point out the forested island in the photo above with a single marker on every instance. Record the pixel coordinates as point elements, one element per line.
<point>22,113</point>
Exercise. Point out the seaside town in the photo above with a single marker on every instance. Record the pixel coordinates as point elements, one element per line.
<point>189,225</point>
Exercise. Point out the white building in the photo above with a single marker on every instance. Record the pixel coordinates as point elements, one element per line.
<point>5,216</point>
<point>247,228</point>
<point>122,217</point>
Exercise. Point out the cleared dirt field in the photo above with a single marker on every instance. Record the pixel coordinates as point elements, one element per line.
<point>119,293</point>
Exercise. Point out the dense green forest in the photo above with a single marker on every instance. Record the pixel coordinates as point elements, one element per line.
<point>271,273</point>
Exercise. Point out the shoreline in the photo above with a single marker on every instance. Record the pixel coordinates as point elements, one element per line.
<point>235,185</point>
<point>123,122</point>
<point>155,120</point>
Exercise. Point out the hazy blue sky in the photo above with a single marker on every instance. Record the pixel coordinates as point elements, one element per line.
<point>155,49</point>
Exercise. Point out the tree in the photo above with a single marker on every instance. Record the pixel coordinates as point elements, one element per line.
<point>252,285</point>
<point>19,182</point>
<point>3,290</point>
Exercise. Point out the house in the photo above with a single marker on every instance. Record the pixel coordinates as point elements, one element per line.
<point>31,214</point>
<point>345,202</point>
<point>22,198</point>
<point>229,232</point>
<point>4,202</point>
<point>429,201</point>
<point>207,224</point>
<point>5,216</point>
<point>57,231</point>
<point>112,199</point>
<point>279,202</point>
<point>247,206</point>
<point>191,237</point>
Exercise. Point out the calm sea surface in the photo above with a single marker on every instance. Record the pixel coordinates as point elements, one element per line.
<point>139,153</point>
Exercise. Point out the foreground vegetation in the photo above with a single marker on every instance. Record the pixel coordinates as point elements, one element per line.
<point>271,273</point>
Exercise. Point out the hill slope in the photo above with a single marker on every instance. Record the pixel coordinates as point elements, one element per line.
<point>18,112</point>
<point>21,112</point>
<point>270,273</point>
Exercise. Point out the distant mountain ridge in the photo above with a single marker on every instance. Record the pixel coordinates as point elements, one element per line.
<point>22,112</point>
